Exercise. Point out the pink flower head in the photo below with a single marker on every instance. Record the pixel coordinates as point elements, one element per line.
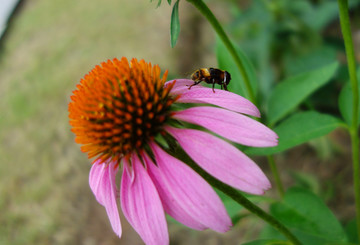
<point>122,112</point>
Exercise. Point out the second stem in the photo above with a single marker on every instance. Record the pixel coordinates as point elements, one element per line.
<point>203,8</point>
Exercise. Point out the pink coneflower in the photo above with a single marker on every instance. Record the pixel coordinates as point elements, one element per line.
<point>121,113</point>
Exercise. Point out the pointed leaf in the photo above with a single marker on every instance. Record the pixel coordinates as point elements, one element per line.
<point>303,211</point>
<point>269,232</point>
<point>174,24</point>
<point>290,93</point>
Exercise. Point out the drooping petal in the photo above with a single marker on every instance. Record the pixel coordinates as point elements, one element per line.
<point>185,195</point>
<point>201,94</point>
<point>222,160</point>
<point>102,183</point>
<point>141,204</point>
<point>231,125</point>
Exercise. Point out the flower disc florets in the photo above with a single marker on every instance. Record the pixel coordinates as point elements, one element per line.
<point>118,107</point>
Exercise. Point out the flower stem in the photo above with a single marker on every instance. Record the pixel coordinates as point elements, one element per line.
<point>243,201</point>
<point>350,55</point>
<point>275,172</point>
<point>203,8</point>
<point>237,197</point>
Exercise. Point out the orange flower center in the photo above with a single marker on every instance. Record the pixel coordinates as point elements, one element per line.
<point>118,107</point>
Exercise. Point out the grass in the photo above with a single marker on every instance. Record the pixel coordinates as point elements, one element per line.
<point>44,195</point>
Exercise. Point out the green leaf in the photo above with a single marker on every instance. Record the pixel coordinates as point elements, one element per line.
<point>318,17</point>
<point>297,129</point>
<point>174,24</point>
<point>313,59</point>
<point>268,232</point>
<point>226,62</point>
<point>303,211</point>
<point>345,101</point>
<point>322,13</point>
<point>291,92</point>
<point>267,242</point>
<point>306,181</point>
<point>351,231</point>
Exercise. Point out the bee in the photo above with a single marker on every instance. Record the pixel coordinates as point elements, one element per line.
<point>211,76</point>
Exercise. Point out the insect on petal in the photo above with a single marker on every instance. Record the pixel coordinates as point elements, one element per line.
<point>225,99</point>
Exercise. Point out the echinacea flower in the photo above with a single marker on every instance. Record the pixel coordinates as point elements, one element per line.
<point>119,113</point>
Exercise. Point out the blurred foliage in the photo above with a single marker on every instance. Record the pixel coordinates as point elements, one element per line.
<point>284,38</point>
<point>299,67</point>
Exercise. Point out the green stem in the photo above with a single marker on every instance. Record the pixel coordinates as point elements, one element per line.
<point>350,55</point>
<point>275,172</point>
<point>243,201</point>
<point>237,197</point>
<point>201,6</point>
<point>355,158</point>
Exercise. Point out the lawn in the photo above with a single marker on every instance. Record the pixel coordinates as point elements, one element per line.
<point>50,45</point>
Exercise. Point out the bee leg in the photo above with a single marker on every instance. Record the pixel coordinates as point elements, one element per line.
<point>213,87</point>
<point>195,83</point>
<point>225,87</point>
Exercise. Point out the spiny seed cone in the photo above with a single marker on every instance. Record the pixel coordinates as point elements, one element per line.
<point>118,107</point>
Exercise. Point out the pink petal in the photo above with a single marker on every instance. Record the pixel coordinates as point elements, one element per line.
<point>141,204</point>
<point>222,160</point>
<point>222,98</point>
<point>231,125</point>
<point>185,195</point>
<point>180,84</point>
<point>102,183</point>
